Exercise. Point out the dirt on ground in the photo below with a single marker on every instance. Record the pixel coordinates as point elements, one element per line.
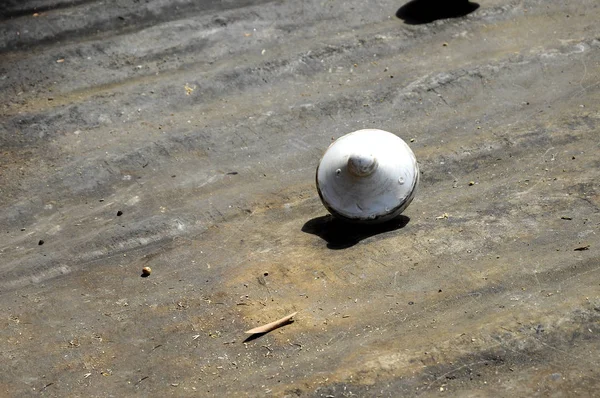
<point>184,135</point>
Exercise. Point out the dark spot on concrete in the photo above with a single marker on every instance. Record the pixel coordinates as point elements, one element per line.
<point>417,12</point>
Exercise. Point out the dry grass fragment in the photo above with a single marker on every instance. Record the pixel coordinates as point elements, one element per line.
<point>271,326</point>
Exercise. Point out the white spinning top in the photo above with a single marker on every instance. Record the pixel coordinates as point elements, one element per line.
<point>367,176</point>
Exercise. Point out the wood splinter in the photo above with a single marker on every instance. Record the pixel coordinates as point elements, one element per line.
<point>272,326</point>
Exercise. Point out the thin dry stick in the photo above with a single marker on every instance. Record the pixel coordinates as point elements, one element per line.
<point>271,326</point>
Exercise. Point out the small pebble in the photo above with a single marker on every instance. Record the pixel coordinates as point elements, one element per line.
<point>119,213</point>
<point>41,242</point>
<point>146,271</point>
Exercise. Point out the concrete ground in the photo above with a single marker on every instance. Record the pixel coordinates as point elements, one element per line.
<point>184,135</point>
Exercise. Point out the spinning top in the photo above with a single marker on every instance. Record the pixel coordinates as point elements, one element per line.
<point>367,176</point>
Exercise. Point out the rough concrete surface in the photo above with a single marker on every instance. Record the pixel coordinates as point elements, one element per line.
<point>202,123</point>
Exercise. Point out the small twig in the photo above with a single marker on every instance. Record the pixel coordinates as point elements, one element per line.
<point>142,379</point>
<point>47,385</point>
<point>271,326</point>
